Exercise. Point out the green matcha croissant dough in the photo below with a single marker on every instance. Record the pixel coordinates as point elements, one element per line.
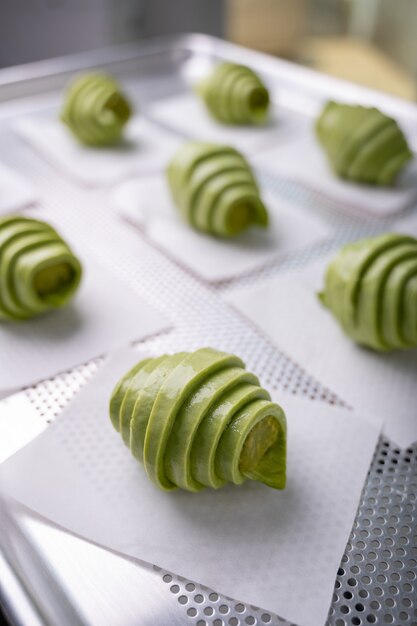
<point>214,189</point>
<point>95,110</point>
<point>38,271</point>
<point>362,144</point>
<point>371,288</point>
<point>200,420</point>
<point>234,94</point>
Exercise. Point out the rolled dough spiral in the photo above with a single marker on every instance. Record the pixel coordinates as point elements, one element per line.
<point>95,110</point>
<point>215,190</point>
<point>198,420</point>
<point>371,289</point>
<point>362,144</point>
<point>38,271</point>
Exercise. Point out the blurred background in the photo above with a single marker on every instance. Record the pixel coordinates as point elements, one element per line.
<point>372,42</point>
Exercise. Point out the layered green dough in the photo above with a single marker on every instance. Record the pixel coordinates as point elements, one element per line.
<point>95,110</point>
<point>38,271</point>
<point>198,420</point>
<point>215,190</point>
<point>234,94</point>
<point>371,288</point>
<point>362,144</point>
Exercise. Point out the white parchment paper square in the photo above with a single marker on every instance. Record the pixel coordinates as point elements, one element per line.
<point>187,114</point>
<point>147,203</point>
<point>18,424</point>
<point>407,225</point>
<point>253,543</point>
<point>288,311</point>
<point>145,149</point>
<point>15,191</point>
<point>303,160</point>
<point>104,314</point>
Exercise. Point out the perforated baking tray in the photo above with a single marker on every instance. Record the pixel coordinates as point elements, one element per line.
<point>377,579</point>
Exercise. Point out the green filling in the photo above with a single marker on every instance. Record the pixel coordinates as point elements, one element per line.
<point>53,280</point>
<point>258,100</point>
<point>119,107</point>
<point>239,217</point>
<point>260,439</point>
<point>200,420</point>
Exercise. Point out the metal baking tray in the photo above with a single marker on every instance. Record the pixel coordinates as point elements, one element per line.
<point>377,579</point>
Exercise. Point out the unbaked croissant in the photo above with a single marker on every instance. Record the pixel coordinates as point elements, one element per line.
<point>198,420</point>
<point>371,289</point>
<point>215,190</point>
<point>362,144</point>
<point>38,271</point>
<point>234,94</point>
<point>95,110</point>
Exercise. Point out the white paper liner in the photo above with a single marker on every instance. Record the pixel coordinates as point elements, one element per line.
<point>145,149</point>
<point>148,204</point>
<point>303,160</point>
<point>288,311</point>
<point>105,314</point>
<point>15,191</point>
<point>253,543</point>
<point>407,225</point>
<point>18,425</point>
<point>187,114</point>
